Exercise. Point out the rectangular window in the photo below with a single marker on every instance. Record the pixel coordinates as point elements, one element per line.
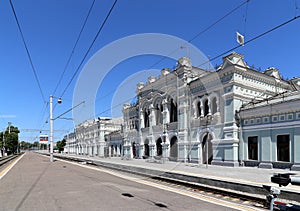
<point>266,119</point>
<point>282,117</point>
<point>253,148</point>
<point>283,148</point>
<point>290,116</point>
<point>258,120</point>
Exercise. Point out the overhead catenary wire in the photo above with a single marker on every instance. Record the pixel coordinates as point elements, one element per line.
<point>204,30</point>
<point>219,20</point>
<point>189,41</point>
<point>90,47</point>
<point>72,53</point>
<point>73,50</point>
<point>245,18</point>
<point>195,36</point>
<point>230,50</point>
<point>296,8</point>
<point>27,51</point>
<point>251,40</point>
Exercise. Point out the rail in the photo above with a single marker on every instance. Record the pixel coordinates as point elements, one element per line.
<point>6,159</point>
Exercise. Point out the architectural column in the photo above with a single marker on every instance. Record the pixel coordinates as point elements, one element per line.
<point>165,147</point>
<point>166,112</point>
<point>101,139</point>
<point>118,151</point>
<point>142,123</point>
<point>152,119</point>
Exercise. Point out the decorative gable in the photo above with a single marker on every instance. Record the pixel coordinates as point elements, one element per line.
<point>272,71</point>
<point>233,59</point>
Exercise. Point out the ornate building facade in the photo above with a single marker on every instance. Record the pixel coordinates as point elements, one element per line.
<point>232,116</point>
<point>89,136</point>
<point>189,114</point>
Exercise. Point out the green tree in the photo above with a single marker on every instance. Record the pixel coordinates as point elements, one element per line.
<point>60,145</point>
<point>11,137</point>
<point>24,145</point>
<point>35,145</point>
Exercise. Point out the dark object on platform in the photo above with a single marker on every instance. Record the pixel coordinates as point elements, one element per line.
<point>281,179</point>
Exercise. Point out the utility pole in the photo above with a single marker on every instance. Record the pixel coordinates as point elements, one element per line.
<point>51,130</point>
<point>51,126</point>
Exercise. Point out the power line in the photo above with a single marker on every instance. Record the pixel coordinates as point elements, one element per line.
<point>91,45</point>
<point>254,38</point>
<point>75,45</point>
<point>204,30</point>
<point>217,21</point>
<point>226,52</point>
<point>197,35</point>
<point>27,51</point>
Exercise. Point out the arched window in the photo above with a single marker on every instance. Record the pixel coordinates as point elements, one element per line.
<point>146,117</point>
<point>174,149</point>
<point>159,116</point>
<point>214,108</point>
<point>199,109</point>
<point>159,147</point>
<point>146,149</point>
<point>206,107</point>
<point>173,111</point>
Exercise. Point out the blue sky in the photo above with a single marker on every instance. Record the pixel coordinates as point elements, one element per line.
<point>51,28</point>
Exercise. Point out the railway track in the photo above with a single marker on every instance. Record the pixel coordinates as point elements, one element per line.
<point>6,159</point>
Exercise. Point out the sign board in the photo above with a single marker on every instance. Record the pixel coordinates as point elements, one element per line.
<point>43,139</point>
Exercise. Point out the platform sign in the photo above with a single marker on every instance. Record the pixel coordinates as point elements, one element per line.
<point>43,139</point>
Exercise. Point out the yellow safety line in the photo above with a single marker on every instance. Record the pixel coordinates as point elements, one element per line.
<point>201,197</point>
<point>9,167</point>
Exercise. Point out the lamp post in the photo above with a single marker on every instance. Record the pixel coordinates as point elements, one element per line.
<point>51,126</point>
<point>208,119</point>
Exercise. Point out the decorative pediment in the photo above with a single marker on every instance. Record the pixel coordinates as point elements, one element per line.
<point>233,59</point>
<point>272,71</point>
<point>296,83</point>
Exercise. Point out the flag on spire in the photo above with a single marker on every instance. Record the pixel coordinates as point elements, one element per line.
<point>240,38</point>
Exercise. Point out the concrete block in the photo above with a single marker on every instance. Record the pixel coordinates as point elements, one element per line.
<point>295,167</point>
<point>265,165</point>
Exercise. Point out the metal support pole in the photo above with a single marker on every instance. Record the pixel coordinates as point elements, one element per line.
<point>206,150</point>
<point>51,130</point>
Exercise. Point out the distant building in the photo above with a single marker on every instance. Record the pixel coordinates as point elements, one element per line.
<point>189,114</point>
<point>89,136</point>
<point>114,144</point>
<point>71,143</point>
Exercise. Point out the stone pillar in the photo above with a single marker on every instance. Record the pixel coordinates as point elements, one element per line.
<point>118,151</point>
<point>142,123</point>
<point>165,148</point>
<point>142,150</point>
<point>152,119</point>
<point>166,112</point>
